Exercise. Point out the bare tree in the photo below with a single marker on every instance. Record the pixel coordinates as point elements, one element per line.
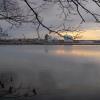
<point>69,8</point>
<point>12,12</point>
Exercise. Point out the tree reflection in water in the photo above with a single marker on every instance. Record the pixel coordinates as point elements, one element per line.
<point>8,81</point>
<point>10,86</point>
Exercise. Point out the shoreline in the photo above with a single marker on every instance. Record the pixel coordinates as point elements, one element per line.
<point>49,44</point>
<point>44,42</point>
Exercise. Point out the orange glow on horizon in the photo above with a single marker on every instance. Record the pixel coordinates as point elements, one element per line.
<point>86,35</point>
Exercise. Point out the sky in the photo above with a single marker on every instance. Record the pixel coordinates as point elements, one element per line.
<point>51,15</point>
<point>89,31</point>
<point>91,35</point>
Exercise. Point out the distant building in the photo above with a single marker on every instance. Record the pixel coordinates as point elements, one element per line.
<point>68,38</point>
<point>50,38</point>
<point>46,37</point>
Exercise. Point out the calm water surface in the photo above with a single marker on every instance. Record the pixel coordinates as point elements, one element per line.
<point>53,69</point>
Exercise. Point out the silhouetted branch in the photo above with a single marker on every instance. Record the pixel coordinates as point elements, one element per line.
<point>12,13</point>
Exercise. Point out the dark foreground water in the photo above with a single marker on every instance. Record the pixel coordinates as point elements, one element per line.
<point>50,72</point>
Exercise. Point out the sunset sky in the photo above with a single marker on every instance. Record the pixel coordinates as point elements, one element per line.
<point>90,34</point>
<point>51,17</point>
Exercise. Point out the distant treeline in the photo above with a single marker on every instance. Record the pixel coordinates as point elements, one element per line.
<point>45,42</point>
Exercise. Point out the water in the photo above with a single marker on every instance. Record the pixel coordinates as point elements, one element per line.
<point>52,69</point>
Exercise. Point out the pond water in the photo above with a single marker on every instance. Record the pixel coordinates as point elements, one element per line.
<point>52,69</point>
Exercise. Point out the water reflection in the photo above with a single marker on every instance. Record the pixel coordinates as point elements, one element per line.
<point>45,69</point>
<point>83,52</point>
<point>8,83</point>
<point>11,85</point>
